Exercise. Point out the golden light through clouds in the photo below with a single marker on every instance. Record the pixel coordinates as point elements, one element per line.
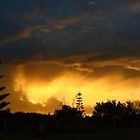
<point>67,85</point>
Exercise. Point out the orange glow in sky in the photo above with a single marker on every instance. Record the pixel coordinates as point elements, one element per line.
<point>68,85</point>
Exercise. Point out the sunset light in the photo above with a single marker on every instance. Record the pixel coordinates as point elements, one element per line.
<point>112,86</point>
<point>70,69</point>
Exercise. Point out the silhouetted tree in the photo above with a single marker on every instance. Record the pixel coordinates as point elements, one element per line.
<point>3,96</point>
<point>136,105</point>
<point>111,112</point>
<point>68,117</point>
<point>68,112</point>
<point>112,108</point>
<point>79,103</point>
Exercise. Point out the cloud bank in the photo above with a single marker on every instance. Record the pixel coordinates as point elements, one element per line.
<point>65,47</point>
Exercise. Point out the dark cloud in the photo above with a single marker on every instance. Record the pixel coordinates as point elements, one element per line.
<point>21,103</point>
<point>47,39</point>
<point>130,6</point>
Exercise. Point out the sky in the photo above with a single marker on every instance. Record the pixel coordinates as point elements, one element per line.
<point>52,49</point>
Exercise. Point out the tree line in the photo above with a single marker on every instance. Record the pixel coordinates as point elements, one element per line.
<point>109,114</point>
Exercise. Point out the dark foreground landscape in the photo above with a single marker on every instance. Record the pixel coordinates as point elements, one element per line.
<point>110,134</point>
<point>110,120</point>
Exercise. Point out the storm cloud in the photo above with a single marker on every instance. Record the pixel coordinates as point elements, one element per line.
<point>45,40</point>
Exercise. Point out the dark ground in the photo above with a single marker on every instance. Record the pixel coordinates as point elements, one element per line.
<point>114,134</point>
